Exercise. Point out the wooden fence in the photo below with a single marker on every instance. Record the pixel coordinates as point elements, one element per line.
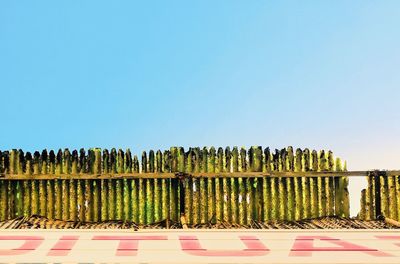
<point>382,196</point>
<point>205,185</point>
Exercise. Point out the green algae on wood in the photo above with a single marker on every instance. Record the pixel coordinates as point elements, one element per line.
<point>118,199</point>
<point>50,199</point>
<point>203,187</point>
<point>188,185</point>
<point>257,165</point>
<point>242,188</point>
<point>234,186</point>
<point>321,185</point>
<point>165,184</point>
<point>196,205</point>
<point>18,193</point>
<point>370,198</point>
<point>59,163</point>
<point>88,193</point>
<point>44,162</point>
<point>36,163</point>
<point>150,189</point>
<point>66,162</point>
<point>111,200</point>
<point>119,185</point>
<point>2,167</point>
<point>96,184</point>
<point>339,190</point>
<point>226,187</point>
<point>314,200</point>
<point>134,200</point>
<point>282,186</point>
<point>52,162</point>
<point>126,200</point>
<point>292,207</point>
<point>177,188</point>
<point>135,185</point>
<point>346,198</point>
<point>13,160</point>
<point>3,200</point>
<point>73,200</point>
<point>306,188</point>
<point>384,196</point>
<point>96,200</point>
<point>247,200</point>
<point>112,210</point>
<point>397,183</point>
<point>57,199</point>
<point>65,199</point>
<point>158,188</point>
<point>329,187</point>
<point>58,187</point>
<point>219,166</point>
<point>104,186</point>
<point>81,200</point>
<point>211,187</point>
<point>274,188</point>
<point>42,197</point>
<point>74,162</point>
<point>174,185</point>
<point>362,206</point>
<point>392,197</point>
<point>142,191</point>
<point>266,187</point>
<point>23,164</point>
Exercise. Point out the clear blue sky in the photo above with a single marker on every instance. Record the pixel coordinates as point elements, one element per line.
<point>149,75</point>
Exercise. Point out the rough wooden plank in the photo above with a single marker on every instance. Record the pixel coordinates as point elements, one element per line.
<point>314,203</point>
<point>204,188</point>
<point>392,197</point>
<point>234,186</point>
<point>211,186</point>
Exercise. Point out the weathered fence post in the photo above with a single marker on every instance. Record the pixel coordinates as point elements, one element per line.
<point>298,186</point>
<point>266,187</point>
<point>196,187</point>
<point>314,186</point>
<point>165,185</point>
<point>377,184</point>
<point>204,187</point>
<point>306,182</point>
<point>234,186</point>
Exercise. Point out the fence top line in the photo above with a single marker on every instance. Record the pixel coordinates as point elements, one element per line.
<point>168,175</point>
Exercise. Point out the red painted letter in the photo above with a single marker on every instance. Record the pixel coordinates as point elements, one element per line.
<point>191,245</point>
<point>30,244</point>
<point>304,246</point>
<point>128,245</point>
<point>390,238</point>
<point>63,246</point>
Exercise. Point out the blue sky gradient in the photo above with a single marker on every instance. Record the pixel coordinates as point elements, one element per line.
<point>152,74</point>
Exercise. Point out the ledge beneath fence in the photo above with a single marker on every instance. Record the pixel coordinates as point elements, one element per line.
<point>39,222</point>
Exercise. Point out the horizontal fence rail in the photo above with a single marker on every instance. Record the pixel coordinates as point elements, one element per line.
<point>155,175</point>
<point>204,185</point>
